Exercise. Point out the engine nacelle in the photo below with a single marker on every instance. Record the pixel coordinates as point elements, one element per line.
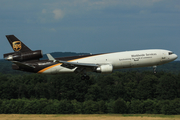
<point>105,68</point>
<point>23,56</point>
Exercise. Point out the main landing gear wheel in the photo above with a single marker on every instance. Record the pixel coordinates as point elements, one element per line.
<point>85,77</point>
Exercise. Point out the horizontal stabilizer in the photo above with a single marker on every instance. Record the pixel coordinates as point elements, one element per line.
<point>23,65</point>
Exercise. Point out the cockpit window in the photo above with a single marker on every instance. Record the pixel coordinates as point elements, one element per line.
<point>170,53</point>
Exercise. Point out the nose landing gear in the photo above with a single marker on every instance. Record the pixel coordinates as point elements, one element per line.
<point>154,69</point>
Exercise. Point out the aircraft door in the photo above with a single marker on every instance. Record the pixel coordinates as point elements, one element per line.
<point>163,56</point>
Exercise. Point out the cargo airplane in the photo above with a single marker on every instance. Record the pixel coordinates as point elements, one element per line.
<point>25,59</point>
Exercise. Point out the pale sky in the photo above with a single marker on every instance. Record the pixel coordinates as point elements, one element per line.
<point>91,26</point>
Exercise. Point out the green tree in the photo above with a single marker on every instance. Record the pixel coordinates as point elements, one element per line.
<point>147,87</point>
<point>148,106</point>
<point>119,106</point>
<point>77,107</point>
<point>93,93</point>
<point>65,107</point>
<point>130,85</point>
<point>137,107</point>
<point>110,105</point>
<point>171,107</point>
<point>166,89</point>
<point>90,107</point>
<point>102,107</point>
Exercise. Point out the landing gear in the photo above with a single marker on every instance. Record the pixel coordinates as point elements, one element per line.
<point>154,68</point>
<point>82,71</point>
<point>85,77</point>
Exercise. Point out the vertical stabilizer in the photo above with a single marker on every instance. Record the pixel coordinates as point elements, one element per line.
<point>16,44</point>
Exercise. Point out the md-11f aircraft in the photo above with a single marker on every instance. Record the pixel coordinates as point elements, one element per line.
<point>25,59</point>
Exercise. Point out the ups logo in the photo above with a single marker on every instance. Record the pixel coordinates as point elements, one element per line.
<point>17,45</point>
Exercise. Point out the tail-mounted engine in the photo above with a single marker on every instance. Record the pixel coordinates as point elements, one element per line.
<point>23,56</point>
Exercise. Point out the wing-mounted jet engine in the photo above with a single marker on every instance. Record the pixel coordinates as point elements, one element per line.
<point>108,68</point>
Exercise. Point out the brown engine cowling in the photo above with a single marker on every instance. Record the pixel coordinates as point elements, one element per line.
<point>23,56</point>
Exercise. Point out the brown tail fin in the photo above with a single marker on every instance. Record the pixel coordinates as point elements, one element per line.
<point>16,44</point>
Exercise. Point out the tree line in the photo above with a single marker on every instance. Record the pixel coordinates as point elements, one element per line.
<point>119,106</point>
<point>119,92</point>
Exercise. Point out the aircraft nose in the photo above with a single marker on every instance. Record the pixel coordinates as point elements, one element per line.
<point>175,56</point>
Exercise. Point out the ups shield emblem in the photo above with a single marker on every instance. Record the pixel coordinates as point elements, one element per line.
<point>17,45</point>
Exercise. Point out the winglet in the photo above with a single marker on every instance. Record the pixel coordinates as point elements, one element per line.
<point>50,57</point>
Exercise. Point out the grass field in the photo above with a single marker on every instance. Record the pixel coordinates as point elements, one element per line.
<point>87,117</point>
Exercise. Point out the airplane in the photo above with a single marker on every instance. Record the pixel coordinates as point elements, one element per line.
<point>24,59</point>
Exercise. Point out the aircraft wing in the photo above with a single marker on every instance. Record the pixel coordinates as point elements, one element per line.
<point>72,65</point>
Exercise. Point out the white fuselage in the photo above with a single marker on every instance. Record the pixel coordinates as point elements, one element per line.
<point>120,60</point>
